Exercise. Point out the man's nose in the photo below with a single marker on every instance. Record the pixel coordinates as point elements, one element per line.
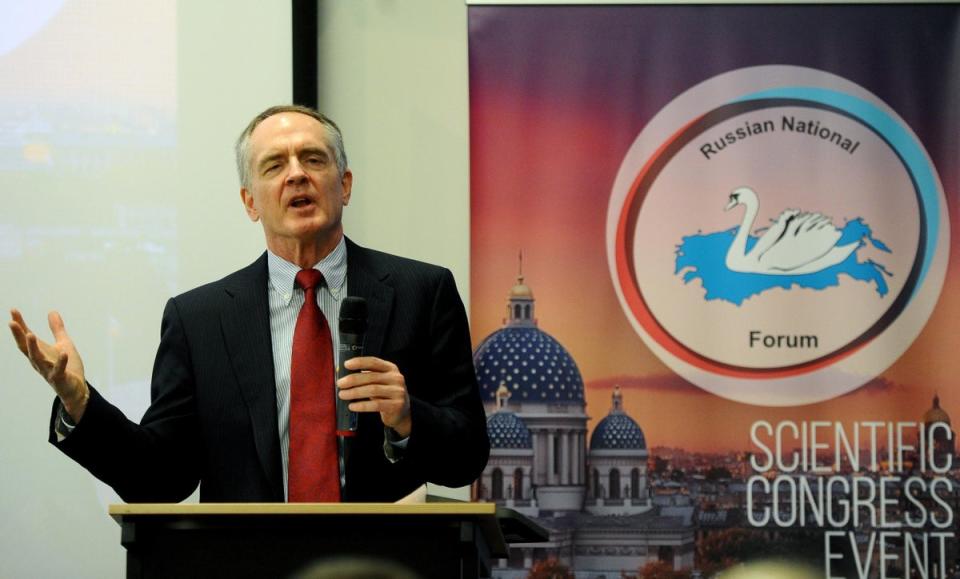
<point>296,175</point>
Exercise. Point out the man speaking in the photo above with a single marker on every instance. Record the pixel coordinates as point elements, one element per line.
<point>243,393</point>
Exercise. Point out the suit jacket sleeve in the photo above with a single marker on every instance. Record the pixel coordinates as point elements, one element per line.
<point>448,440</point>
<point>157,460</point>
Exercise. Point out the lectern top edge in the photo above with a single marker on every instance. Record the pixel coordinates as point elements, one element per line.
<point>117,511</point>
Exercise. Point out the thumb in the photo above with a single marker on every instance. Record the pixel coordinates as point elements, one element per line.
<point>59,366</point>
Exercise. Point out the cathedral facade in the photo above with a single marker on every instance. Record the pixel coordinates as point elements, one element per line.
<point>591,495</point>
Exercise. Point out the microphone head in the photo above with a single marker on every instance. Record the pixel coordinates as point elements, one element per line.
<point>353,315</point>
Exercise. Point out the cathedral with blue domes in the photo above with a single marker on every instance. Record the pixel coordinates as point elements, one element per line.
<point>591,495</point>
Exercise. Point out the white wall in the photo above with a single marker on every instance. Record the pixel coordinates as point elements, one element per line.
<point>393,74</point>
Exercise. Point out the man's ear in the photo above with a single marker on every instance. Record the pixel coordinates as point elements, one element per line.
<point>247,199</point>
<point>347,183</point>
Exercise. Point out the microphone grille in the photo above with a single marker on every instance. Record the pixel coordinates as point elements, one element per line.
<point>353,315</point>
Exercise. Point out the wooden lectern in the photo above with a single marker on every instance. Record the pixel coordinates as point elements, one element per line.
<point>274,540</point>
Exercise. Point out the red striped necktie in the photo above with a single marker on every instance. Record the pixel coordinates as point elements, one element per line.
<point>313,470</point>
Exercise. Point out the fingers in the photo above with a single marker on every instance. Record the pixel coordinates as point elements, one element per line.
<point>376,398</point>
<point>17,317</point>
<point>378,386</point>
<point>390,402</point>
<point>359,379</point>
<point>369,364</point>
<point>27,341</point>
<point>38,358</point>
<point>33,348</point>
<point>56,326</point>
<point>19,329</point>
<point>49,361</point>
<point>376,379</point>
<point>373,391</point>
<point>370,370</point>
<point>384,407</point>
<point>19,336</point>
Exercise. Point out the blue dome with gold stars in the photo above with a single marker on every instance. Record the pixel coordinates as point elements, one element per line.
<point>529,362</point>
<point>532,364</point>
<point>507,430</point>
<point>617,431</point>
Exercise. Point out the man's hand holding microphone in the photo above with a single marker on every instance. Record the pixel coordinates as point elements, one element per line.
<point>367,383</point>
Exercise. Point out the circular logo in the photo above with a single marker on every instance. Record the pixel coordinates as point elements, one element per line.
<point>777,235</point>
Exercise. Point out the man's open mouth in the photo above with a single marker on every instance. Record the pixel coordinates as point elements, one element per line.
<point>300,202</point>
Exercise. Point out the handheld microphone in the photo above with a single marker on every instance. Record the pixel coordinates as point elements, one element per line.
<point>352,331</point>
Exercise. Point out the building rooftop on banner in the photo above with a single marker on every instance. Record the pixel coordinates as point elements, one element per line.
<point>534,366</point>
<point>507,430</point>
<point>617,431</point>
<point>936,413</point>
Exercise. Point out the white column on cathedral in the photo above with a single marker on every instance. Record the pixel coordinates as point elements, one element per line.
<point>551,455</point>
<point>574,457</point>
<point>581,463</point>
<point>564,458</point>
<point>540,467</point>
<point>583,457</point>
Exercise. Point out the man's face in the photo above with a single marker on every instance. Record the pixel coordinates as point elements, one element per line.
<point>295,187</point>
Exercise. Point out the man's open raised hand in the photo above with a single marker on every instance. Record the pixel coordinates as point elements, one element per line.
<point>59,363</point>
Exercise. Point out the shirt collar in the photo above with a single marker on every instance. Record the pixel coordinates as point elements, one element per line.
<point>333,267</point>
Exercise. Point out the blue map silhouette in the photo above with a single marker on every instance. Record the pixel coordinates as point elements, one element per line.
<point>703,256</point>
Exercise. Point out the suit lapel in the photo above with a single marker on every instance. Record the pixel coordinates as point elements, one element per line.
<point>246,329</point>
<point>365,281</point>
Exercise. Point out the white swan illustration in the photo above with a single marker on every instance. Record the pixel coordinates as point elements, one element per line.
<point>796,243</point>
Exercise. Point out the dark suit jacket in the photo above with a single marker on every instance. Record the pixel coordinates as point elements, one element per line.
<point>213,412</point>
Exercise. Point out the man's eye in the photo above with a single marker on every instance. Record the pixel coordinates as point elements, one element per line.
<point>315,160</point>
<point>271,168</point>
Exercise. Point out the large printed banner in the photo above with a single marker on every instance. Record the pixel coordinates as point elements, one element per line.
<point>715,285</point>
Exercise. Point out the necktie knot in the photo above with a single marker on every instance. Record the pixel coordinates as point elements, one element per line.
<point>308,279</point>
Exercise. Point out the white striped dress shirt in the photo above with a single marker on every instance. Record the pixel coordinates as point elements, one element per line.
<point>285,302</point>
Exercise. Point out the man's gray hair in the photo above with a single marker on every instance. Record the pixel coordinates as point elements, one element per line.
<point>334,139</point>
